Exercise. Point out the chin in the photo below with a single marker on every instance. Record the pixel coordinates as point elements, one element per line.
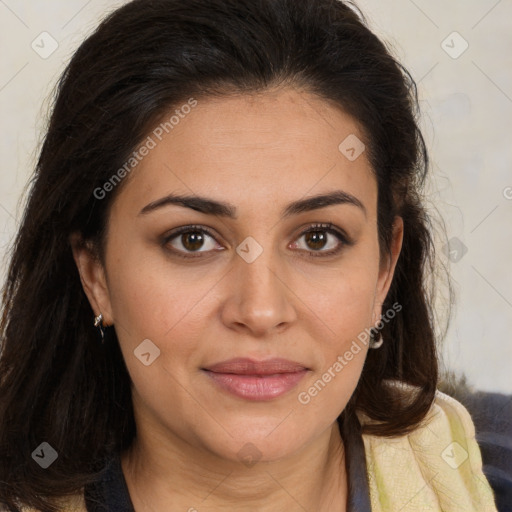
<point>259,440</point>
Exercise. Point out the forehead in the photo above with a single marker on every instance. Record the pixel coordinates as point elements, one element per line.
<point>273,146</point>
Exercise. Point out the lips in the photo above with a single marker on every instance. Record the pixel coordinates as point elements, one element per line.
<point>245,366</point>
<point>256,380</point>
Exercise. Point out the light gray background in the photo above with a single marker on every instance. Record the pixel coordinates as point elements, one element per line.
<point>467,119</point>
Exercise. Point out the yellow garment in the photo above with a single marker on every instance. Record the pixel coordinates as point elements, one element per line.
<point>436,468</point>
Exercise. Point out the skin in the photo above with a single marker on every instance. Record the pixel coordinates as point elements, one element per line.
<point>259,153</point>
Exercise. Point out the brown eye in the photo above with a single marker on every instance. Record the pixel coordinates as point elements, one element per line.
<point>189,240</point>
<point>316,239</point>
<point>192,241</point>
<point>322,240</point>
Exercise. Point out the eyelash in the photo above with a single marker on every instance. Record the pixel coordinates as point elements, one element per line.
<point>328,227</point>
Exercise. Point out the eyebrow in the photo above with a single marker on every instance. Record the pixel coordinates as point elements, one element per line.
<point>222,209</point>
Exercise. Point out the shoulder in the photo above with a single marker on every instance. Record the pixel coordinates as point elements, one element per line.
<point>436,467</point>
<point>447,418</point>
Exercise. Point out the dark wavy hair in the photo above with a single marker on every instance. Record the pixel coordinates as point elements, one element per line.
<point>58,383</point>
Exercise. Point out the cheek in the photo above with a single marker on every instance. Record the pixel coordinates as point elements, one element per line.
<point>154,300</point>
<point>149,295</point>
<point>346,301</point>
<point>344,311</point>
<point>347,312</point>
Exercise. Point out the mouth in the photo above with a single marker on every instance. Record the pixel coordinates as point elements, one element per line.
<point>256,380</point>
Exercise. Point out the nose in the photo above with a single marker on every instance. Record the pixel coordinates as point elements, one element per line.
<point>259,299</point>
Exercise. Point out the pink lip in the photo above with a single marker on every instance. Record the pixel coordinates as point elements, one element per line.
<point>257,380</point>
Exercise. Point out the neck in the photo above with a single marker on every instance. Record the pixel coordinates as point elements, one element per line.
<point>175,476</point>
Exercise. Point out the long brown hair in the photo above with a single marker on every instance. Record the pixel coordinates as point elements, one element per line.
<point>58,383</point>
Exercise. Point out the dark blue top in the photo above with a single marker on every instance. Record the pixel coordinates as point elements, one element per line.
<point>492,417</point>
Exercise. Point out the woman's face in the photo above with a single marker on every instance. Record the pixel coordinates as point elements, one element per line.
<point>247,280</point>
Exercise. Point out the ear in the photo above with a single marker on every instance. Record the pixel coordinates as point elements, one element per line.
<point>93,277</point>
<point>387,267</point>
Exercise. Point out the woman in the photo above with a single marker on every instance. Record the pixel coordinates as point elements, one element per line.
<point>217,297</point>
